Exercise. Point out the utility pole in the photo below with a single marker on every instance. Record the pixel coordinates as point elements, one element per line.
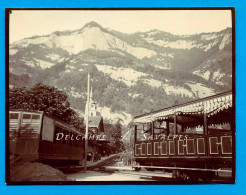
<point>87,122</point>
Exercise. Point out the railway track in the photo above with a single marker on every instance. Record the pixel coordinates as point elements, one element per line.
<point>107,166</point>
<point>163,177</point>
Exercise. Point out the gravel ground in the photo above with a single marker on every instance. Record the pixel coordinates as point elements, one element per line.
<point>27,171</point>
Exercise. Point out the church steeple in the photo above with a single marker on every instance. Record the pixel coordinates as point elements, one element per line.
<point>91,95</point>
<point>92,105</point>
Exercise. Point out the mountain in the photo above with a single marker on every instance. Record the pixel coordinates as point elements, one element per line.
<point>131,73</point>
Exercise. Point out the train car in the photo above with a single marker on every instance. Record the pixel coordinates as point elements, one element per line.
<point>193,140</point>
<point>36,136</point>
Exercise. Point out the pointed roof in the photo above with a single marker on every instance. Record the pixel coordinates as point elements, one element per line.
<point>94,121</point>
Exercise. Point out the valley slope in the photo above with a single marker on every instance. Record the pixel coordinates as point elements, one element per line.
<point>131,73</point>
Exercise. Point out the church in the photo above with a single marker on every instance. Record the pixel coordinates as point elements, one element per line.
<point>95,119</point>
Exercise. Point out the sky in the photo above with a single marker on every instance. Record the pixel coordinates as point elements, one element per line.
<point>27,23</point>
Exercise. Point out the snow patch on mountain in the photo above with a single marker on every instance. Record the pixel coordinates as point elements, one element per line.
<point>210,36</point>
<point>179,44</point>
<point>153,82</point>
<point>203,74</point>
<point>163,66</point>
<point>126,75</point>
<point>225,41</point>
<point>170,89</point>
<point>53,57</point>
<point>43,64</point>
<point>61,59</point>
<point>210,45</point>
<point>29,63</point>
<point>201,90</point>
<point>13,51</point>
<point>134,95</point>
<point>217,75</point>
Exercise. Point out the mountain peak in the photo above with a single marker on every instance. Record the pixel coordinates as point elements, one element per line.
<point>92,24</point>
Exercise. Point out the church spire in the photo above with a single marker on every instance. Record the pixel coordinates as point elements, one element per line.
<point>91,95</point>
<point>92,105</point>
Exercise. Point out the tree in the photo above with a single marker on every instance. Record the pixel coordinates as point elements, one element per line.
<point>114,133</point>
<point>45,98</point>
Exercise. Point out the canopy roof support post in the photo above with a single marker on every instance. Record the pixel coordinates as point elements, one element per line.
<point>175,124</point>
<point>152,128</point>
<point>205,124</point>
<point>168,131</point>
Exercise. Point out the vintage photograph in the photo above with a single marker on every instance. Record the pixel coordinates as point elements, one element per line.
<point>120,96</point>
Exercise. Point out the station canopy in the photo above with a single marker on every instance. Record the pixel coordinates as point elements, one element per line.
<point>217,106</point>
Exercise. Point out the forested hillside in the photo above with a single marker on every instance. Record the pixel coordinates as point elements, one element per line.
<point>131,74</point>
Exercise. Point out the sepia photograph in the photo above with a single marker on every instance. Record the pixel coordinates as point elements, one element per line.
<point>120,96</point>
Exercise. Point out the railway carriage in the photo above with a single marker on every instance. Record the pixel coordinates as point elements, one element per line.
<point>36,136</point>
<point>193,140</point>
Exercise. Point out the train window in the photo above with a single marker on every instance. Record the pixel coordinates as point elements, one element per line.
<point>160,128</point>
<point>139,126</point>
<point>13,125</point>
<point>194,130</point>
<point>171,128</point>
<point>14,120</point>
<point>30,127</point>
<point>35,117</point>
<point>147,127</point>
<point>139,132</point>
<point>223,128</point>
<point>26,118</point>
<point>160,124</point>
<point>14,115</point>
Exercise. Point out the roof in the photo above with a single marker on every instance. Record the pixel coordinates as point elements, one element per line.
<point>209,105</point>
<point>94,121</point>
<point>58,122</point>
